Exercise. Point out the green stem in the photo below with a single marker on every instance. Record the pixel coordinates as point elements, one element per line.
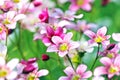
<point>96,57</point>
<point>70,62</point>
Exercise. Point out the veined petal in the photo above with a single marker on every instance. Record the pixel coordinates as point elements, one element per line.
<point>117,61</point>
<point>73,45</point>
<point>89,33</point>
<point>12,25</point>
<point>42,72</point>
<point>106,61</point>
<point>100,71</point>
<point>12,75</point>
<point>68,36</point>
<point>69,71</point>
<point>11,14</point>
<point>19,17</point>
<point>87,74</point>
<point>86,7</point>
<point>12,63</point>
<point>64,78</point>
<point>56,39</point>
<point>62,54</point>
<point>81,69</point>
<point>102,31</point>
<point>116,36</point>
<point>52,48</point>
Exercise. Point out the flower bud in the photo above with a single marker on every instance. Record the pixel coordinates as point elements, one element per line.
<point>45,57</point>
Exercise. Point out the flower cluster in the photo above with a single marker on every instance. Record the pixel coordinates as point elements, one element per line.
<point>56,32</point>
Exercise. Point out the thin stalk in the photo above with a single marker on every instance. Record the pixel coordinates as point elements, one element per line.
<point>96,57</point>
<point>70,62</point>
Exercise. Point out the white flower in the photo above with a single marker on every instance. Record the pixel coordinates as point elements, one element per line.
<point>3,50</point>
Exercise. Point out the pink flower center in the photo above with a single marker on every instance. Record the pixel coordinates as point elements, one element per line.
<point>99,39</point>
<point>76,77</point>
<point>80,2</point>
<point>63,47</point>
<point>113,69</point>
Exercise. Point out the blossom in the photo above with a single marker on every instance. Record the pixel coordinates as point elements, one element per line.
<point>7,69</point>
<point>80,73</point>
<point>98,78</point>
<point>44,16</point>
<point>62,46</point>
<point>80,4</point>
<point>98,37</point>
<point>111,67</point>
<point>10,19</point>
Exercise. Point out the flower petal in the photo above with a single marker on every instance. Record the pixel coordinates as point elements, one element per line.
<point>2,61</point>
<point>99,71</point>
<point>106,61</point>
<point>62,54</point>
<point>73,45</point>
<point>69,71</point>
<point>19,17</point>
<point>102,31</point>
<point>89,33</point>
<point>12,75</point>
<point>68,36</point>
<point>87,7</point>
<point>87,74</point>
<point>56,39</point>
<point>117,61</point>
<point>52,48</point>
<point>13,63</point>
<point>116,36</point>
<point>64,78</point>
<point>42,72</point>
<point>81,69</point>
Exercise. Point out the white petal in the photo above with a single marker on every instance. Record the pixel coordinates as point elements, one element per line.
<point>19,17</point>
<point>116,36</point>
<point>13,63</point>
<point>12,75</point>
<point>42,72</point>
<point>79,16</point>
<point>2,61</point>
<point>11,14</point>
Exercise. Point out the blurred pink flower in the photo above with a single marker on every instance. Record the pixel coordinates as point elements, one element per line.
<point>44,16</point>
<point>111,67</point>
<point>98,37</point>
<point>80,73</point>
<point>80,4</point>
<point>3,32</point>
<point>62,46</point>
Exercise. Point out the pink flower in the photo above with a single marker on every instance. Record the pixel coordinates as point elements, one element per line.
<point>80,4</point>
<point>49,33</point>
<point>111,67</point>
<point>62,46</point>
<point>43,16</point>
<point>80,73</point>
<point>98,37</point>
<point>7,70</point>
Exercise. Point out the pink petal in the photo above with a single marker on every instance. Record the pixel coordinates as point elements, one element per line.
<point>73,45</point>
<point>117,61</point>
<point>69,71</point>
<point>19,17</point>
<point>116,36</point>
<point>62,54</point>
<point>56,39</point>
<point>52,48</point>
<point>11,14</point>
<point>106,61</point>
<point>89,33</point>
<point>2,61</point>
<point>64,78</point>
<point>42,72</point>
<point>100,71</point>
<point>68,36</point>
<point>110,75</point>
<point>12,75</point>
<point>87,7</point>
<point>73,7</point>
<point>87,74</point>
<point>102,31</point>
<point>81,69</point>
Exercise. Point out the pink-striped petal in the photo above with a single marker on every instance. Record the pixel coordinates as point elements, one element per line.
<point>87,74</point>
<point>90,34</point>
<point>52,48</point>
<point>117,61</point>
<point>106,61</point>
<point>64,78</point>
<point>62,54</point>
<point>102,31</point>
<point>100,71</point>
<point>73,45</point>
<point>68,36</point>
<point>69,71</point>
<point>81,69</point>
<point>56,39</point>
<point>116,36</point>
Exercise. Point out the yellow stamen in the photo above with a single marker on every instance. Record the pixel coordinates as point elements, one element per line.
<point>31,77</point>
<point>16,1</point>
<point>113,69</point>
<point>63,47</point>
<point>99,39</point>
<point>76,77</point>
<point>3,72</point>
<point>110,55</point>
<point>6,21</point>
<point>80,2</point>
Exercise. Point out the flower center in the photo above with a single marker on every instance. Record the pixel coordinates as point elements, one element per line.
<point>76,77</point>
<point>113,69</point>
<point>3,72</point>
<point>80,2</point>
<point>16,1</point>
<point>31,77</point>
<point>63,47</point>
<point>1,29</point>
<point>110,55</point>
<point>6,21</point>
<point>98,39</point>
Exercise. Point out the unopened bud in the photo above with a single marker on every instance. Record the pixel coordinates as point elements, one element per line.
<point>45,57</point>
